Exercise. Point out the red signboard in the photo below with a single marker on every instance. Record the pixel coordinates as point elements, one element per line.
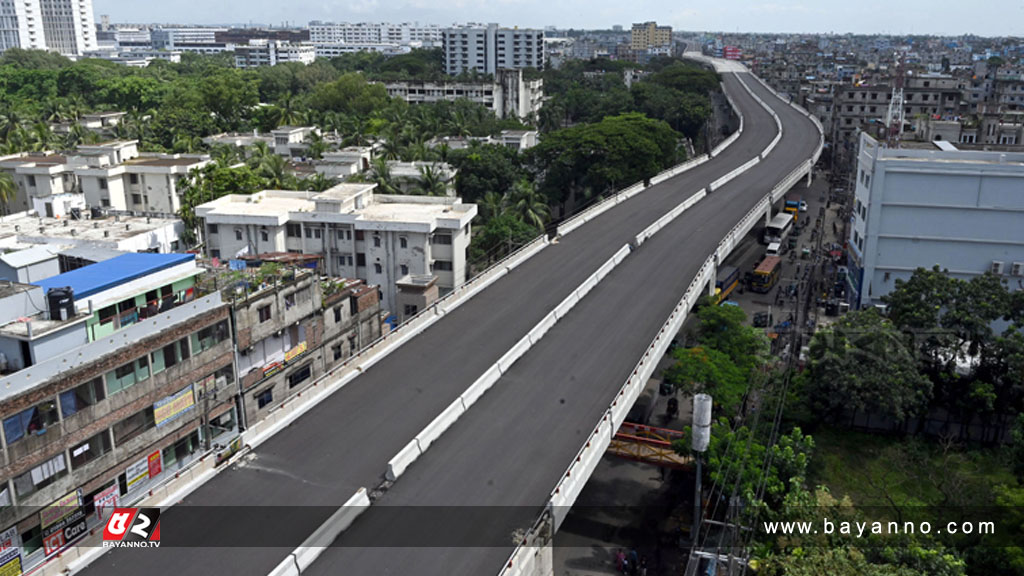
<point>154,464</point>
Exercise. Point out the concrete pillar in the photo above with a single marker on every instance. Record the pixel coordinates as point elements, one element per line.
<point>768,214</point>
<point>714,276</point>
<point>810,171</point>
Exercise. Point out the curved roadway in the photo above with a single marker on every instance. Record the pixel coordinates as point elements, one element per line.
<point>511,448</point>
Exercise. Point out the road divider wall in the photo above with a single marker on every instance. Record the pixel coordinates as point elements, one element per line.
<point>733,174</point>
<point>667,218</point>
<point>300,559</point>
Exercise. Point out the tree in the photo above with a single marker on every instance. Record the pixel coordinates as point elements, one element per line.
<point>317,145</point>
<point>432,181</point>
<point>349,94</point>
<point>862,363</point>
<point>8,190</point>
<point>228,95</point>
<point>598,158</point>
<point>381,175</point>
<point>528,205</point>
<point>500,236</point>
<point>483,169</point>
<point>710,371</point>
<point>209,183</point>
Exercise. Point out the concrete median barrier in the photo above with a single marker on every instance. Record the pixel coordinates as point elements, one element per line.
<point>405,457</point>
<point>444,420</point>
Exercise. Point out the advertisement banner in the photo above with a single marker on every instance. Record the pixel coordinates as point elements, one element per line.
<point>10,563</point>
<point>136,473</point>
<point>9,540</point>
<point>295,352</point>
<point>64,506</point>
<point>106,500</point>
<point>155,464</point>
<point>69,529</point>
<point>173,406</point>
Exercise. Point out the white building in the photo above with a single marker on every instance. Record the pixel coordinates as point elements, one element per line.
<point>370,33</point>
<point>508,96</point>
<point>333,50</point>
<point>960,210</point>
<point>112,175</point>
<point>487,49</point>
<point>375,237</point>
<point>199,39</point>
<point>262,52</point>
<point>121,233</point>
<point>21,25</point>
<point>68,26</point>
<point>291,140</point>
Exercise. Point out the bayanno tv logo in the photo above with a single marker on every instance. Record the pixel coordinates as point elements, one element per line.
<point>133,528</point>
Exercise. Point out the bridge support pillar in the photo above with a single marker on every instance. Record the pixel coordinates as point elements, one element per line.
<point>810,171</point>
<point>714,277</point>
<point>536,557</point>
<point>768,214</point>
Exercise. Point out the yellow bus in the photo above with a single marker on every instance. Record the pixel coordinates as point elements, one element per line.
<point>766,275</point>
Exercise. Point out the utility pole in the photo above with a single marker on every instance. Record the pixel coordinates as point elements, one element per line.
<point>701,438</point>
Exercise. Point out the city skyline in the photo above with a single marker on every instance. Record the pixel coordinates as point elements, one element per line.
<point>782,16</point>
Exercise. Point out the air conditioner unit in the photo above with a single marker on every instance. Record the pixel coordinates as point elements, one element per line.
<point>997,267</point>
<point>1018,269</point>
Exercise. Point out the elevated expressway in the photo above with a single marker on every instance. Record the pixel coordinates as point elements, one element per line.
<point>504,460</point>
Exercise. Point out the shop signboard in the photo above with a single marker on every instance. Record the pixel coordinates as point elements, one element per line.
<point>168,409</point>
<point>67,530</point>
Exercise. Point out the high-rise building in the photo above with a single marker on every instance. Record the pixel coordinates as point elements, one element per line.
<point>68,26</point>
<point>369,33</point>
<point>649,35</point>
<point>938,206</point>
<point>487,49</point>
<point>21,25</point>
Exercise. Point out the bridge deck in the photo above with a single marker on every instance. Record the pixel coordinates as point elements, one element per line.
<point>346,441</point>
<point>507,453</point>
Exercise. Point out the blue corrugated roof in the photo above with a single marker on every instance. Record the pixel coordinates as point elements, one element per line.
<point>101,276</point>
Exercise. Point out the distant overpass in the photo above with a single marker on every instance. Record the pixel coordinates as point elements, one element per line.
<point>496,469</point>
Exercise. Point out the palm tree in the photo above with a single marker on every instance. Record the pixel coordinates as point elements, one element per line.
<point>224,155</point>
<point>53,110</point>
<point>187,144</point>
<point>381,173</point>
<point>317,146</point>
<point>491,206</point>
<point>42,137</point>
<point>318,182</point>
<point>525,202</point>
<point>274,169</point>
<point>7,191</point>
<point>432,181</point>
<point>391,150</point>
<point>77,134</point>
<point>259,151</point>
<point>10,120</point>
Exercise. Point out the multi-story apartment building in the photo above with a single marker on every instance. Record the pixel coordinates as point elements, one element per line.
<point>370,33</point>
<point>111,175</point>
<point>202,40</point>
<point>21,25</point>
<point>273,52</point>
<point>68,26</point>
<point>106,391</point>
<point>508,95</point>
<point>487,49</point>
<point>120,232</point>
<point>289,332</point>
<point>648,35</point>
<point>375,237</point>
<point>333,50</point>
<point>959,210</point>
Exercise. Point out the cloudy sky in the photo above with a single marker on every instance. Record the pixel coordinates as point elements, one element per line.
<point>983,17</point>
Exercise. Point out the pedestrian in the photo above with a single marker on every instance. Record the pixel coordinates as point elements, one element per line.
<point>620,561</point>
<point>634,560</point>
<point>643,566</point>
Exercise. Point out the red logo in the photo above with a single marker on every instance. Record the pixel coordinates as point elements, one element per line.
<point>132,528</point>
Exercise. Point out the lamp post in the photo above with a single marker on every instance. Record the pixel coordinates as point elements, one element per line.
<point>700,438</point>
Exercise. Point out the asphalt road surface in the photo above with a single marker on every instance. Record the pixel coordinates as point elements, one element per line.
<point>513,445</point>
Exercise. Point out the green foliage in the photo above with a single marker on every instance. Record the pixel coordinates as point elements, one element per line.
<point>33,59</point>
<point>483,169</point>
<point>862,363</point>
<point>592,159</point>
<point>500,236</point>
<point>209,183</point>
<point>349,94</point>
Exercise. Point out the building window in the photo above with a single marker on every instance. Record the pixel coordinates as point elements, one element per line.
<point>133,178</point>
<point>411,309</point>
<point>134,425</point>
<point>443,265</point>
<point>214,253</point>
<point>213,229</point>
<point>293,230</point>
<point>378,268</point>
<point>81,397</point>
<point>103,183</point>
<point>337,314</point>
<point>300,376</point>
<point>360,259</point>
<point>336,352</point>
<point>403,242</point>
<point>405,269</point>
<point>32,421</point>
<point>264,312</point>
<point>264,398</point>
<point>127,376</point>
<point>376,241</point>
<point>41,476</point>
<point>443,239</point>
<point>359,236</point>
<point>264,236</point>
<point>238,234</point>
<point>91,449</point>
<point>136,198</point>
<point>309,232</point>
